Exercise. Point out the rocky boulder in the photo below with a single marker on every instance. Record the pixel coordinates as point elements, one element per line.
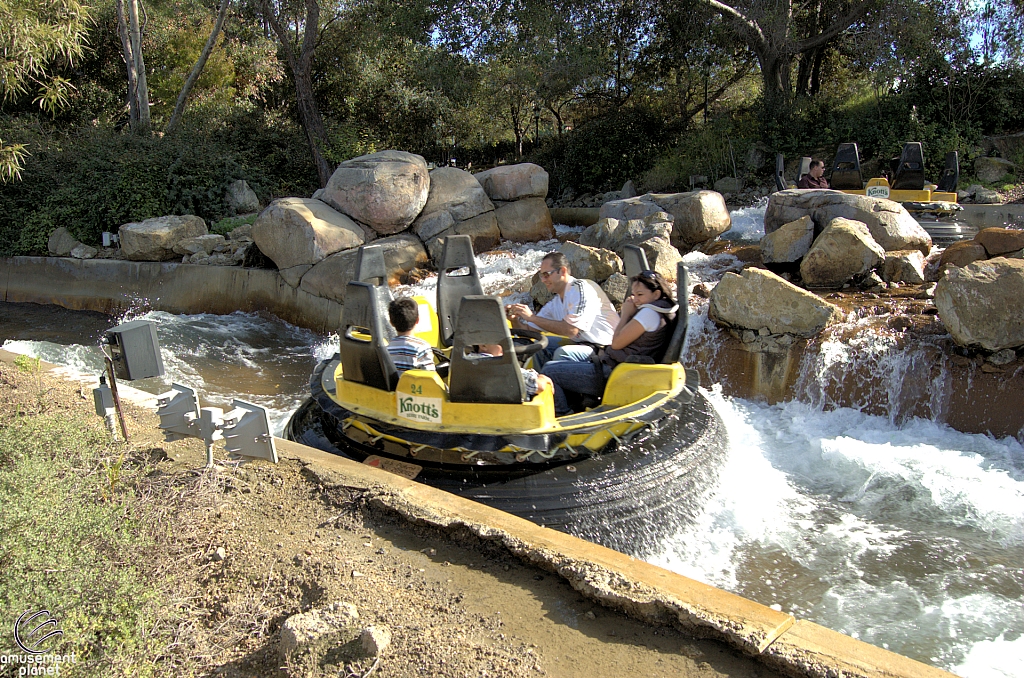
<point>591,262</point>
<point>992,169</point>
<point>240,199</point>
<point>296,233</point>
<point>891,226</point>
<point>481,229</point>
<point>662,257</point>
<point>61,242</point>
<point>203,243</point>
<point>844,250</point>
<point>328,278</point>
<point>455,193</point>
<point>614,234</point>
<point>307,629</point>
<point>154,239</point>
<point>513,182</point>
<point>982,304</point>
<point>697,216</point>
<point>998,241</point>
<point>82,251</point>
<point>385,190</point>
<point>526,220</point>
<point>728,185</point>
<point>905,266</point>
<point>616,287</point>
<point>789,243</point>
<point>760,299</point>
<point>986,196</point>
<point>960,254</point>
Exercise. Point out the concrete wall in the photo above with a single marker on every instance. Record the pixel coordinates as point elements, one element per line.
<point>986,216</point>
<point>110,286</point>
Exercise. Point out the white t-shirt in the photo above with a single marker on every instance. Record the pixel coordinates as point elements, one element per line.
<point>587,308</point>
<point>649,318</point>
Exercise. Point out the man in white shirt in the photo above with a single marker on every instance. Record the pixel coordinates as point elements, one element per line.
<point>579,310</point>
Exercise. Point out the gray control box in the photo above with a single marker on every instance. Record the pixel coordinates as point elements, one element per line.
<point>134,350</point>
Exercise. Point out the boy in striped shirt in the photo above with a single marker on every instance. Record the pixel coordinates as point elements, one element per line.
<point>408,352</point>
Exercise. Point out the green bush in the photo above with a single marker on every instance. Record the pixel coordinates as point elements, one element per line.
<point>98,178</point>
<point>603,153</point>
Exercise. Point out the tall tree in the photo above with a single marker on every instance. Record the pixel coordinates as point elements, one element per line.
<point>777,31</point>
<point>298,47</point>
<point>197,69</point>
<point>129,27</point>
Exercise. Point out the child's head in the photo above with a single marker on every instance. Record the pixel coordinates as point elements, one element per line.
<point>403,313</point>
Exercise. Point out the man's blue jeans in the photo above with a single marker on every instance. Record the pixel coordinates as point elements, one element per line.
<point>579,353</point>
<point>575,376</point>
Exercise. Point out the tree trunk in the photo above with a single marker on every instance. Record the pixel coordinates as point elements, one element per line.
<point>312,122</point>
<point>775,78</point>
<point>129,62</point>
<point>141,89</point>
<point>197,69</point>
<point>301,66</point>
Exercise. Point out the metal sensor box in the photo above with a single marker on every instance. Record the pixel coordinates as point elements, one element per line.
<point>134,350</point>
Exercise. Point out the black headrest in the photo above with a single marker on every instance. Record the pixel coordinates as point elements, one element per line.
<point>634,261</point>
<point>364,354</point>
<point>780,172</point>
<point>371,268</point>
<point>910,171</point>
<point>950,178</point>
<point>846,174</point>
<point>457,254</point>
<point>484,380</point>
<point>674,350</point>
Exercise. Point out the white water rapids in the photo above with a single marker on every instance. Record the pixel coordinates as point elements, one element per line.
<point>909,536</point>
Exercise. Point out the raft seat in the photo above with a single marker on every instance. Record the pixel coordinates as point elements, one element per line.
<point>364,354</point>
<point>494,379</point>
<point>457,277</point>
<point>846,173</point>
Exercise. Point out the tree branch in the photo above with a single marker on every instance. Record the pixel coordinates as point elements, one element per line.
<point>837,27</point>
<point>747,25</point>
<point>186,89</point>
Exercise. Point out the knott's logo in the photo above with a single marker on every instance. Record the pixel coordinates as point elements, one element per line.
<point>877,191</point>
<point>419,409</point>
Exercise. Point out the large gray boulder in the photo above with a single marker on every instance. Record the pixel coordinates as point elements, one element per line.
<point>154,239</point>
<point>905,266</point>
<point>513,182</point>
<point>61,242</point>
<point>456,193</point>
<point>203,243</point>
<point>526,220</point>
<point>614,234</point>
<point>890,224</point>
<point>789,243</point>
<point>591,262</point>
<point>328,278</point>
<point>999,241</point>
<point>662,257</point>
<point>760,299</point>
<point>240,199</point>
<point>385,190</point>
<point>844,250</point>
<point>992,169</point>
<point>296,233</point>
<point>697,216</point>
<point>982,304</point>
<point>481,229</point>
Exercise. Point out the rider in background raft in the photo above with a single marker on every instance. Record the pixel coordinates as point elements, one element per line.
<point>642,334</point>
<point>579,310</point>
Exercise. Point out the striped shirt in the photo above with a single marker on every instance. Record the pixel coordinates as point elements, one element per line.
<point>410,353</point>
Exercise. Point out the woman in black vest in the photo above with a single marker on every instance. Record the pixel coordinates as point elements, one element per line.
<point>644,329</point>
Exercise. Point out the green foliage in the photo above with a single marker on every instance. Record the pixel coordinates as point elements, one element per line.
<point>228,224</point>
<point>605,152</point>
<point>71,542</point>
<point>104,178</point>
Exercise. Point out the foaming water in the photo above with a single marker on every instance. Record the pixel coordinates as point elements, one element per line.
<point>908,537</point>
<point>747,223</point>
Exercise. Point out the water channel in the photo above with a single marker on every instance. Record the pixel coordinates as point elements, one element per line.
<point>905,534</point>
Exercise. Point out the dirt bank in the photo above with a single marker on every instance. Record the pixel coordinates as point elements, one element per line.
<point>456,606</point>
